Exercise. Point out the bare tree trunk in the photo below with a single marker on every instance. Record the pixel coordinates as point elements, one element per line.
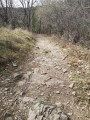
<point>27,6</point>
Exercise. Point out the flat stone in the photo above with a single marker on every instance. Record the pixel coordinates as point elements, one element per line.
<point>31,115</point>
<point>56,117</point>
<point>74,93</point>
<point>22,93</point>
<point>36,105</point>
<point>42,94</point>
<point>16,75</point>
<point>71,85</point>
<point>27,75</point>
<point>40,117</point>
<point>26,99</point>
<point>88,93</point>
<point>58,92</point>
<point>57,67</point>
<point>43,83</point>
<point>7,89</point>
<point>70,114</point>
<point>21,83</point>
<point>64,117</point>
<point>59,111</point>
<point>14,65</point>
<point>64,70</point>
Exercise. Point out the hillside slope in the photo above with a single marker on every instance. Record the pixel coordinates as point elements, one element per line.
<point>14,44</point>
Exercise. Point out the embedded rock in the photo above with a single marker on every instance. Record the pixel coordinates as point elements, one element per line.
<point>46,112</point>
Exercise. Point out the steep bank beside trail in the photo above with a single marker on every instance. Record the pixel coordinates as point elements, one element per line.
<point>14,44</point>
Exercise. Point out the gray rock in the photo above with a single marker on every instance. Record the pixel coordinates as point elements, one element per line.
<point>36,106</point>
<point>46,112</point>
<point>22,93</point>
<point>7,89</point>
<point>71,85</point>
<point>73,93</point>
<point>59,111</point>
<point>70,114</point>
<point>64,70</point>
<point>58,92</point>
<point>64,117</point>
<point>56,117</point>
<point>26,99</point>
<point>32,115</point>
<point>46,107</point>
<point>21,83</point>
<point>14,65</point>
<point>27,75</point>
<point>40,117</point>
<point>42,94</point>
<point>15,75</point>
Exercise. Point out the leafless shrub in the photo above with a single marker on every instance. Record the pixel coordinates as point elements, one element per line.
<point>70,18</point>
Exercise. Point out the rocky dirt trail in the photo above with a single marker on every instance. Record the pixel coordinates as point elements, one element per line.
<point>43,81</point>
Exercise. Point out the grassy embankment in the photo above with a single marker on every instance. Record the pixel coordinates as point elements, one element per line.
<point>14,44</point>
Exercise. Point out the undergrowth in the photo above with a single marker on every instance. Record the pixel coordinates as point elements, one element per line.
<point>78,59</point>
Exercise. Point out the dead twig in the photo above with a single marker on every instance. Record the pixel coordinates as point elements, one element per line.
<point>65,57</point>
